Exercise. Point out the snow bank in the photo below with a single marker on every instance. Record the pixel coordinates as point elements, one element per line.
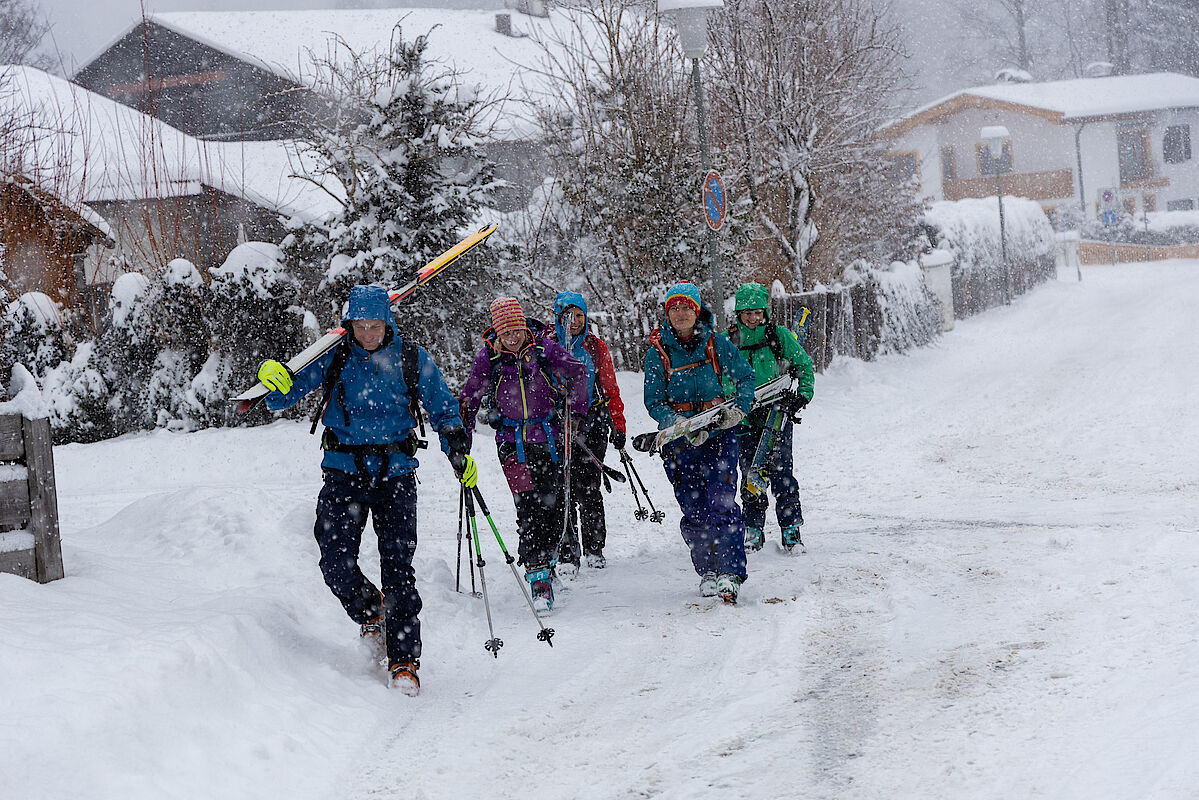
<point>26,399</point>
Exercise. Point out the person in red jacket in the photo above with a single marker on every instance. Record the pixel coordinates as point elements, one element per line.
<point>604,422</point>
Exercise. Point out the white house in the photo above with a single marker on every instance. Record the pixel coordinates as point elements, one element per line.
<point>1069,141</point>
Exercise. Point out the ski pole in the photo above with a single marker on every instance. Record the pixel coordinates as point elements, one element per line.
<point>655,515</point>
<point>494,643</point>
<point>640,513</point>
<point>605,471</point>
<point>545,634</point>
<point>566,509</point>
<point>458,569</point>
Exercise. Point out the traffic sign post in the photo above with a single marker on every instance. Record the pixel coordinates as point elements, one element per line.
<point>1109,205</point>
<point>714,200</point>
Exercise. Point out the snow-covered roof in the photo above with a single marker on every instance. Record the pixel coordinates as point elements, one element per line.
<point>1072,100</point>
<point>284,42</point>
<point>92,149</point>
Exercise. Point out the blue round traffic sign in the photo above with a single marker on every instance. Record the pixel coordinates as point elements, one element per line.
<point>714,200</point>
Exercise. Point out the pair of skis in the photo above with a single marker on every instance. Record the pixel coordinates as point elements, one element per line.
<point>252,396</point>
<point>767,394</point>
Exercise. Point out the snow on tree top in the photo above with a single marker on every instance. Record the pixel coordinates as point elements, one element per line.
<point>181,272</point>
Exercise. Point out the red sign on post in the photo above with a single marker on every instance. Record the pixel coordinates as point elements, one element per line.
<point>714,200</point>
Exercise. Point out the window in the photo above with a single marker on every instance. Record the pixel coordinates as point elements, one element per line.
<point>990,166</point>
<point>1186,204</point>
<point>1130,205</point>
<point>1135,162</point>
<point>1176,144</point>
<point>949,164</point>
<point>904,167</point>
<point>1150,202</point>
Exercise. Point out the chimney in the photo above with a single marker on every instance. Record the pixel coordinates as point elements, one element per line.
<point>503,24</point>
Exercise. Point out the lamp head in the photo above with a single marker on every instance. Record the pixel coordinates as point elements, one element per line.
<point>691,22</point>
<point>995,136</point>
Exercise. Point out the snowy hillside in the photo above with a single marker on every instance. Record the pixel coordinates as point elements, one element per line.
<point>999,601</point>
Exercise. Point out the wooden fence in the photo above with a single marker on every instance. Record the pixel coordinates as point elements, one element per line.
<point>845,321</point>
<point>29,539</point>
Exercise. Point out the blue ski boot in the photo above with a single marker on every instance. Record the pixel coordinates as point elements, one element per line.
<point>754,538</point>
<point>541,586</point>
<point>792,543</point>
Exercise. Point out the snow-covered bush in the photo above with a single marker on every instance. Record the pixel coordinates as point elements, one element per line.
<point>1165,228</point>
<point>894,310</point>
<point>35,334</point>
<point>183,335</point>
<point>253,315</point>
<point>78,397</point>
<point>970,229</point>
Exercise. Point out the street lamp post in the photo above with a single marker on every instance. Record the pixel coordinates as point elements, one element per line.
<point>995,136</point>
<point>691,23</point>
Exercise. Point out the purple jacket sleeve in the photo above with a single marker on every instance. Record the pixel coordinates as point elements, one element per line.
<point>473,391</point>
<point>575,374</point>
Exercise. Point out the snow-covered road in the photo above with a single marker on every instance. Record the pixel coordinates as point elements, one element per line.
<point>999,600</point>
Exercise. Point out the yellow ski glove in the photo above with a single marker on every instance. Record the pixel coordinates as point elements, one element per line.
<point>466,470</point>
<point>276,376</point>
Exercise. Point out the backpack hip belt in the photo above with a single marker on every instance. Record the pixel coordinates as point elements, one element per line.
<point>519,425</point>
<point>408,447</point>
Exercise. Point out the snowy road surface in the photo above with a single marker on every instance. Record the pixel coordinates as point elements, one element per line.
<point>999,601</point>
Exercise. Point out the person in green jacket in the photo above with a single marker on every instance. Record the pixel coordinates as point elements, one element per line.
<point>772,350</point>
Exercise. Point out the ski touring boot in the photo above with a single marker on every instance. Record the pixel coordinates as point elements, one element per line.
<point>727,587</point>
<point>792,543</point>
<point>596,561</point>
<point>707,585</point>
<point>754,539</point>
<point>404,677</point>
<point>373,636</point>
<point>541,586</point>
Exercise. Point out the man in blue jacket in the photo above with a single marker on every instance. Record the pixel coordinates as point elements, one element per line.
<point>683,370</point>
<point>370,382</point>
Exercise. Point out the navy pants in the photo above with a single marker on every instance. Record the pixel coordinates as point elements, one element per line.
<point>341,513</point>
<point>537,492</point>
<point>780,474</point>
<point>586,501</point>
<point>705,484</point>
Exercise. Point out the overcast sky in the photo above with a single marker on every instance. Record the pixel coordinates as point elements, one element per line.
<point>82,28</point>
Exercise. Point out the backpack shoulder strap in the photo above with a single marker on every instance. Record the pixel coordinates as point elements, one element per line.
<point>331,379</point>
<point>710,349</point>
<point>410,366</point>
<point>776,344</point>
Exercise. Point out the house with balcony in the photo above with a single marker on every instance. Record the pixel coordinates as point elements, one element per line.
<point>1069,142</point>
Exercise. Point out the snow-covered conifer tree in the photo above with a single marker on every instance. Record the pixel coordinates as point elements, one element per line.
<point>180,328</point>
<point>402,139</point>
<point>252,316</point>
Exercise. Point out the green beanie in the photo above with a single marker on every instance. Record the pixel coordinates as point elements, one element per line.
<point>751,296</point>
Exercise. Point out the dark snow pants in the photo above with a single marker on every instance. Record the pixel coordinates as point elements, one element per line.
<point>780,474</point>
<point>341,511</point>
<point>586,501</point>
<point>705,484</point>
<point>537,492</point>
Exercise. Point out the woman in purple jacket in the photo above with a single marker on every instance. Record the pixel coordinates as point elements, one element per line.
<point>524,377</point>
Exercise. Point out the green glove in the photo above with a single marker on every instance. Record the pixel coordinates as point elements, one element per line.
<point>276,376</point>
<point>466,470</point>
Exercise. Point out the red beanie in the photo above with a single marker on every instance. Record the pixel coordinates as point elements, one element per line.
<point>506,315</point>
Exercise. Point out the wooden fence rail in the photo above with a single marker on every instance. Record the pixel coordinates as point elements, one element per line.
<point>29,537</point>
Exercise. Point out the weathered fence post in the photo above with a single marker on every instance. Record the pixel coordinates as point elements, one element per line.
<point>29,536</point>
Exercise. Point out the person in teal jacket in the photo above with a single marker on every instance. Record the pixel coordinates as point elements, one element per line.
<point>773,350</point>
<point>369,383</point>
<point>683,370</point>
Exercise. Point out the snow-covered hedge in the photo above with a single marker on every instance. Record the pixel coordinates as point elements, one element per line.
<point>970,230</point>
<point>1164,228</point>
